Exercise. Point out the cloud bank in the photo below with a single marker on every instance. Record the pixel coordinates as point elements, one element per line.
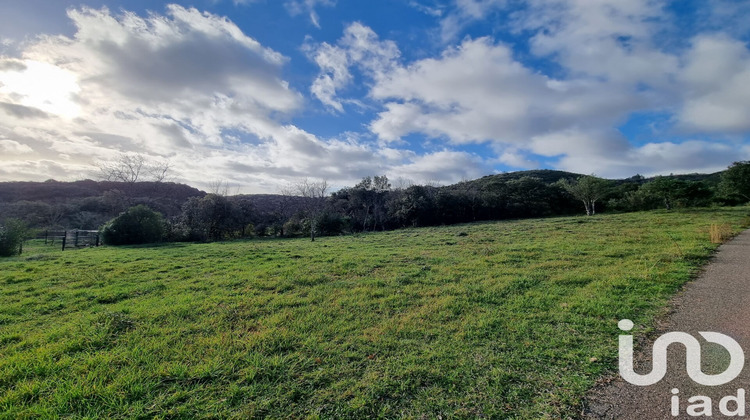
<point>186,86</point>
<point>562,87</point>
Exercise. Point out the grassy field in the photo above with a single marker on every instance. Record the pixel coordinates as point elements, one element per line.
<point>510,319</point>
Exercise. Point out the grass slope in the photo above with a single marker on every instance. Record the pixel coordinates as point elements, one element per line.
<point>511,319</point>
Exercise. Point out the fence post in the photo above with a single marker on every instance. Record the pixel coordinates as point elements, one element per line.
<point>20,248</point>
<point>97,238</point>
<point>65,238</point>
<point>46,232</point>
<point>75,243</point>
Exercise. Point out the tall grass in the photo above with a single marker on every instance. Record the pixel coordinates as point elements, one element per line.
<point>720,233</point>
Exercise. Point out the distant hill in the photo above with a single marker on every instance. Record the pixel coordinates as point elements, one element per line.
<point>87,204</point>
<point>711,179</point>
<point>549,176</point>
<point>53,192</point>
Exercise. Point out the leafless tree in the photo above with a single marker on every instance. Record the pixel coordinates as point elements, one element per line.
<point>55,216</point>
<point>132,168</point>
<point>159,171</point>
<point>315,194</point>
<point>402,183</point>
<point>284,208</point>
<point>223,187</point>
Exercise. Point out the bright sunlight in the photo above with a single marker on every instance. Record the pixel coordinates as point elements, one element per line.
<point>42,86</point>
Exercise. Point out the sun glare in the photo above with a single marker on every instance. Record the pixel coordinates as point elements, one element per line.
<point>43,86</point>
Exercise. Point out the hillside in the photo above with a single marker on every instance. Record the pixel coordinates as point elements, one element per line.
<point>53,192</point>
<point>88,204</point>
<point>549,176</point>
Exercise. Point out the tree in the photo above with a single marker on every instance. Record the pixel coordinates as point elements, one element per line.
<point>588,189</point>
<point>215,217</point>
<point>315,194</point>
<point>284,209</point>
<point>137,225</point>
<point>735,181</point>
<point>223,187</point>
<point>414,206</point>
<point>366,201</point>
<point>12,234</point>
<point>667,189</point>
<point>132,168</point>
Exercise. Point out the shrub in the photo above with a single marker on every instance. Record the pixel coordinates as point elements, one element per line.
<point>12,234</point>
<point>330,223</point>
<point>137,225</point>
<point>293,227</point>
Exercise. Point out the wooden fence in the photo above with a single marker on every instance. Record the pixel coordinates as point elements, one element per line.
<point>67,239</point>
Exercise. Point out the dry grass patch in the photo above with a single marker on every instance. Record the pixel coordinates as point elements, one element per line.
<point>720,233</point>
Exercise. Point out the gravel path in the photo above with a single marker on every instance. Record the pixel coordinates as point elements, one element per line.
<point>719,300</point>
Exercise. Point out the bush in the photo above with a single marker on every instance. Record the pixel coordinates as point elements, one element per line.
<point>12,234</point>
<point>137,225</point>
<point>330,224</point>
<point>177,231</point>
<point>294,227</point>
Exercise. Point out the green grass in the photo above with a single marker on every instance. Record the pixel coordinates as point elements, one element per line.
<point>510,319</point>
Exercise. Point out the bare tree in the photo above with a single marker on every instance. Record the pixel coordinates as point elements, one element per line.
<point>132,168</point>
<point>55,216</point>
<point>284,207</point>
<point>315,194</point>
<point>402,183</point>
<point>223,187</point>
<point>159,171</point>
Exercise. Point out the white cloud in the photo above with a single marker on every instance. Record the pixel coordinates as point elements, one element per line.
<point>465,12</point>
<point>613,40</point>
<point>193,88</point>
<point>443,167</point>
<point>435,11</point>
<point>360,47</point>
<point>716,81</point>
<point>517,159</point>
<point>296,7</point>
<point>334,74</point>
<point>613,65</point>
<point>662,158</point>
<point>187,86</point>
<point>11,147</point>
<point>478,93</point>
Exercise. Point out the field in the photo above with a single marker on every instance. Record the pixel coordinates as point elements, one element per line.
<point>510,319</point>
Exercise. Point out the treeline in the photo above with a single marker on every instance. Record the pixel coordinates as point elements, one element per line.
<point>373,204</point>
<point>186,214</point>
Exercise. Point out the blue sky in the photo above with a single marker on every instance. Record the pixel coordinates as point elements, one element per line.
<point>261,93</point>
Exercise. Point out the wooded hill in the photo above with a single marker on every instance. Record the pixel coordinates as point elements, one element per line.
<point>88,204</point>
<point>549,176</point>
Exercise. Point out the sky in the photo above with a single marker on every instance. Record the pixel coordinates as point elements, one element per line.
<point>262,93</point>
